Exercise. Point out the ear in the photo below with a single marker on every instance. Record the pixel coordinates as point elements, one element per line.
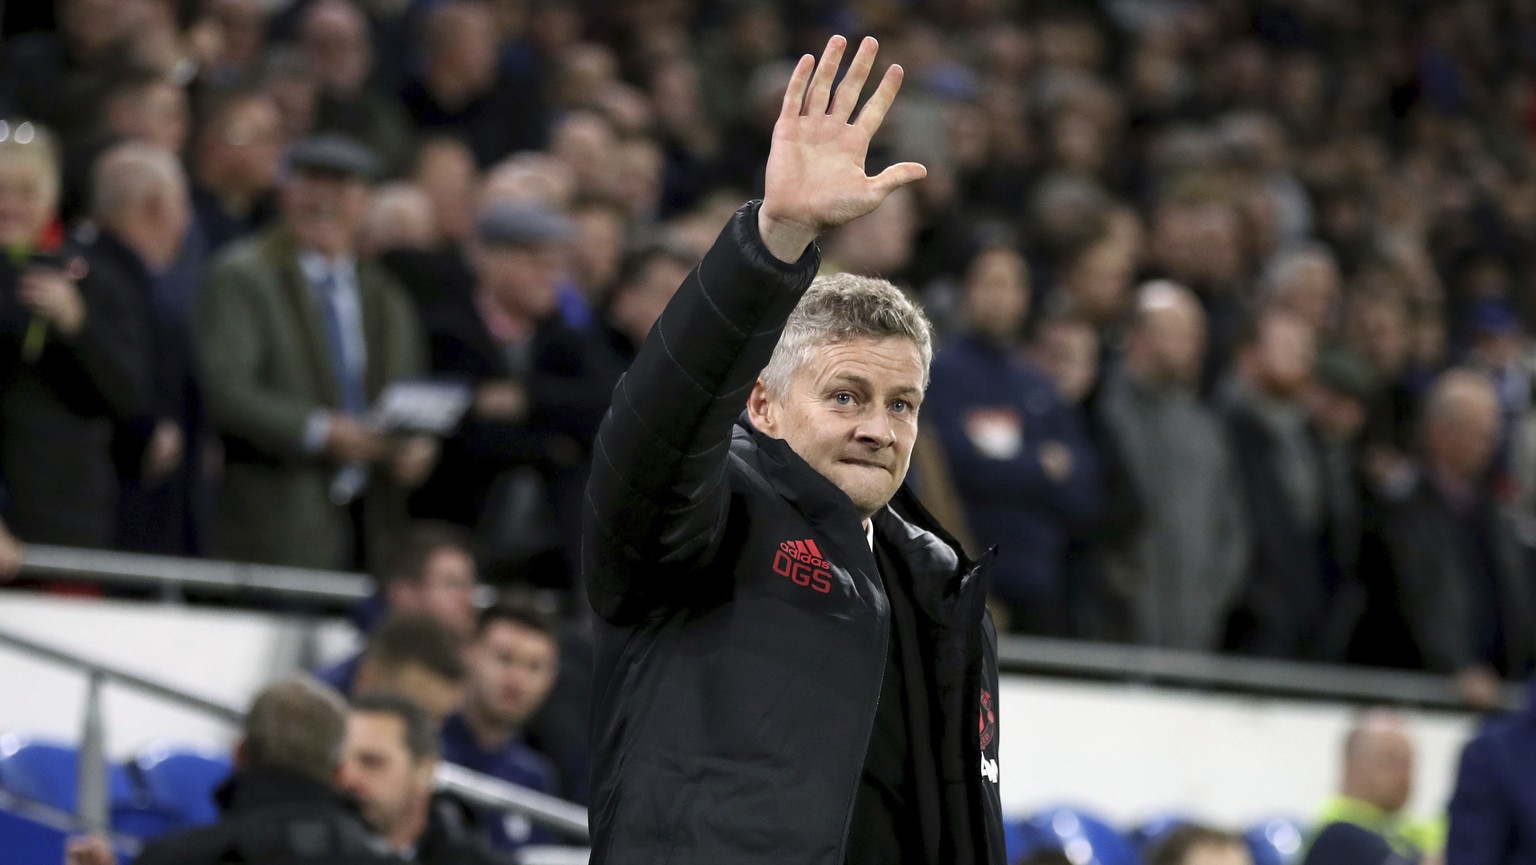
<point>426,774</point>
<point>760,409</point>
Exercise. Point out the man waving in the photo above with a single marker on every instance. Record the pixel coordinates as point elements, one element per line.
<point>794,663</point>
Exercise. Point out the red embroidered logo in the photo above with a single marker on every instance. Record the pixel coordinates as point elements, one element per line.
<point>804,564</point>
<point>988,719</point>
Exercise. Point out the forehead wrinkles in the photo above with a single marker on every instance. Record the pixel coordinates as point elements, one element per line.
<point>890,365</point>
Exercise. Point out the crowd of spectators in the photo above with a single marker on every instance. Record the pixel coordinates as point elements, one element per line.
<point>1235,296</point>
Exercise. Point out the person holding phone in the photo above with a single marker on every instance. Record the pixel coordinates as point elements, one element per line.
<point>70,364</point>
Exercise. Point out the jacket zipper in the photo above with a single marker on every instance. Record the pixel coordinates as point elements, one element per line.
<point>858,776</point>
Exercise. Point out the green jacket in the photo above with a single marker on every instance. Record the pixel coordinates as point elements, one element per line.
<point>267,368</point>
<point>1411,838</point>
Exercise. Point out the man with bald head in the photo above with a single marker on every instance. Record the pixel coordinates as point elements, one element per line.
<point>1189,557</point>
<point>1363,825</point>
<point>1445,575</point>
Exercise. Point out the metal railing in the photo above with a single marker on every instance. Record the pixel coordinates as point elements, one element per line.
<point>229,579</point>
<point>1018,655</point>
<point>93,810</point>
<point>1230,674</point>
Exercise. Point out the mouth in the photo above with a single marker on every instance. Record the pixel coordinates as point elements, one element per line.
<point>868,464</point>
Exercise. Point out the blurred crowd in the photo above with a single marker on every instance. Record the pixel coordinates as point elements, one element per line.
<point>1234,296</point>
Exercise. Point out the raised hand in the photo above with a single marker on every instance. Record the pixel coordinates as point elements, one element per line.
<point>815,178</point>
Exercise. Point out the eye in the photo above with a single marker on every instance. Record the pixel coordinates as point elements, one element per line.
<point>900,406</point>
<point>843,398</point>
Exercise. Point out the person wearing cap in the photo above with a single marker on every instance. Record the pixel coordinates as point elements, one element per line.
<point>513,471</point>
<point>300,335</point>
<point>1338,402</point>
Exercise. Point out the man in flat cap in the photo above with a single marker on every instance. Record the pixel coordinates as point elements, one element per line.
<point>300,335</point>
<point>514,470</point>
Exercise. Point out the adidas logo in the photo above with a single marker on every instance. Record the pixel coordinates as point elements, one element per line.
<point>804,565</point>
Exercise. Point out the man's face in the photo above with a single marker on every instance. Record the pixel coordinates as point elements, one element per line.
<point>1384,767</point>
<point>446,590</point>
<point>1464,441</point>
<point>326,211</point>
<point>248,149</point>
<point>511,669</point>
<point>639,304</point>
<point>1286,351</point>
<point>1069,352</point>
<point>378,770</point>
<point>850,411</point>
<point>997,294</point>
<point>523,279</point>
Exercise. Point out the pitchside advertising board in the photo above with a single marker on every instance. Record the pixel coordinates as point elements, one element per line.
<point>1127,752</point>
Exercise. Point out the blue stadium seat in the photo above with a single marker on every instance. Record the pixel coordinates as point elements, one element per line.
<point>1276,841</point>
<point>48,772</point>
<point>181,782</point>
<point>1087,840</point>
<point>26,840</point>
<point>1021,838</point>
<point>43,772</point>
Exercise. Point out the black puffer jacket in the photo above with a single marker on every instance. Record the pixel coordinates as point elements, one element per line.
<point>274,817</point>
<point>743,624</point>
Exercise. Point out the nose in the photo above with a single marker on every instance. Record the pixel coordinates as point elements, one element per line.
<point>876,430</point>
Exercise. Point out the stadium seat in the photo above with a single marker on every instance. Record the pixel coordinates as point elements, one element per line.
<point>181,782</point>
<point>44,772</point>
<point>1020,838</point>
<point>27,840</point>
<point>1087,840</point>
<point>1275,842</point>
<point>47,773</point>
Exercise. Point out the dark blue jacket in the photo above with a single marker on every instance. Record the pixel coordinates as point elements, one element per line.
<point>1009,499</point>
<point>516,763</point>
<point>1347,844</point>
<point>1493,811</point>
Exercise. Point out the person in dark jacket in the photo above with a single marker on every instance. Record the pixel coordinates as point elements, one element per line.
<point>1364,823</point>
<point>389,763</point>
<point>794,662</point>
<point>280,807</point>
<point>141,211</point>
<point>513,471</point>
<point>70,360</point>
<point>1018,455</point>
<point>1493,807</point>
<point>1446,573</point>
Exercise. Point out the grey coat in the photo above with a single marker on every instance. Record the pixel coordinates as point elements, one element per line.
<point>1190,558</point>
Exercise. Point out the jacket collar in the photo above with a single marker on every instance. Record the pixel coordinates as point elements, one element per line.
<point>253,789</point>
<point>947,585</point>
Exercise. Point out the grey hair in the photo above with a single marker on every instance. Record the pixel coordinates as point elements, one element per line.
<point>131,173</point>
<point>841,307</point>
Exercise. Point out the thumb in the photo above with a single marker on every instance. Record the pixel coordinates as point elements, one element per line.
<point>899,175</point>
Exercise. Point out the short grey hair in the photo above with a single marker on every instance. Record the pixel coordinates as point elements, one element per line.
<point>297,724</point>
<point>131,173</point>
<point>841,307</point>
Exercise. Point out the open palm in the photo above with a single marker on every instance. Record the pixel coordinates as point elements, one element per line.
<point>815,178</point>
